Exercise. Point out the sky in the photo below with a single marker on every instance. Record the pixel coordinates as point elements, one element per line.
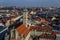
<point>31,3</point>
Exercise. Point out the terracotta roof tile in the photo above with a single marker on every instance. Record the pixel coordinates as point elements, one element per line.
<point>23,30</point>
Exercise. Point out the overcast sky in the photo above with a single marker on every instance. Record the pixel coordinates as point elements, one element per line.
<point>31,3</point>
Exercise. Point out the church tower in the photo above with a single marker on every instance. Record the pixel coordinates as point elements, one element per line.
<point>25,17</point>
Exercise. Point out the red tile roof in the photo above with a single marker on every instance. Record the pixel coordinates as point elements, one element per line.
<point>48,36</point>
<point>38,28</point>
<point>23,30</point>
<point>55,33</point>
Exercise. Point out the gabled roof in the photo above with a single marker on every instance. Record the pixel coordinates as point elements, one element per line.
<point>23,30</point>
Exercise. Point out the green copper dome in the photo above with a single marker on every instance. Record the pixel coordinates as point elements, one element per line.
<point>25,10</point>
